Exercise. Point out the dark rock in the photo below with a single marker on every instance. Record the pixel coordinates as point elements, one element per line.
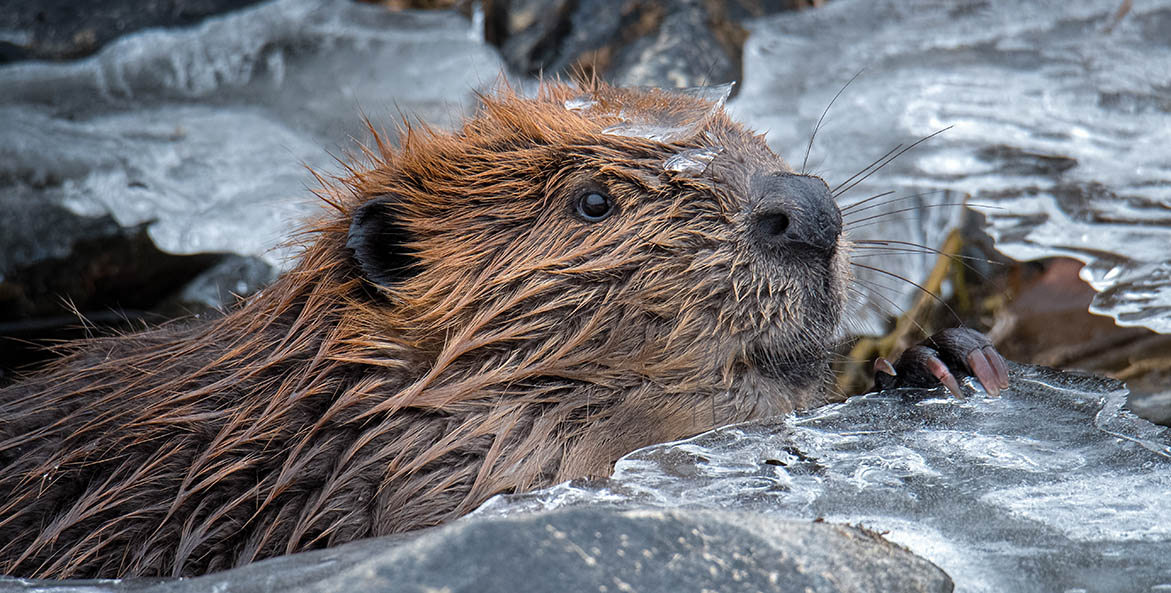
<point>233,277</point>
<point>65,29</point>
<point>590,549</point>
<point>529,32</point>
<point>65,276</point>
<point>686,50</point>
<point>679,43</point>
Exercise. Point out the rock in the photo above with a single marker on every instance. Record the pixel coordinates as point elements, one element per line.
<point>64,275</point>
<point>233,277</point>
<point>686,50</point>
<point>675,44</point>
<point>589,549</point>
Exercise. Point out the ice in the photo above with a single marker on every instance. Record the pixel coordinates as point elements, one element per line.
<point>1057,121</point>
<point>207,133</point>
<point>693,162</point>
<point>716,94</point>
<point>1053,486</point>
<point>676,124</point>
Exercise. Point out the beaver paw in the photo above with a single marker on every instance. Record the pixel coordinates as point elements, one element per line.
<point>958,351</point>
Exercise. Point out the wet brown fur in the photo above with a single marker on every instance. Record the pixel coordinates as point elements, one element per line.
<point>526,348</point>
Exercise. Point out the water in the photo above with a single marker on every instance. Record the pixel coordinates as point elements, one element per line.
<point>1057,120</point>
<point>1052,486</point>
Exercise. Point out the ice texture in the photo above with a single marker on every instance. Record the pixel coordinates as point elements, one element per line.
<point>207,132</point>
<point>1058,118</point>
<point>693,162</point>
<point>1052,486</point>
<point>675,124</point>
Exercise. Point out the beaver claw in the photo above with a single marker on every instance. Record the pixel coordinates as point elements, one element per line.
<point>940,358</point>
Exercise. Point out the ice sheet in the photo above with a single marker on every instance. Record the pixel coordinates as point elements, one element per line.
<point>207,132</point>
<point>1050,487</point>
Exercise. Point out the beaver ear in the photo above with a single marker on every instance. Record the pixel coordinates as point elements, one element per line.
<point>378,240</point>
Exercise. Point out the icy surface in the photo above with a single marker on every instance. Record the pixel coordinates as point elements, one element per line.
<point>1059,118</point>
<point>206,132</point>
<point>1050,487</point>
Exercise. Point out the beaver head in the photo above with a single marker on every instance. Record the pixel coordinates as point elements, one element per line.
<point>629,241</point>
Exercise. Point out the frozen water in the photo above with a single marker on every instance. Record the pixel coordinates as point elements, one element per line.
<point>676,124</point>
<point>1058,120</point>
<point>206,132</point>
<point>716,94</point>
<point>1053,486</point>
<point>692,163</point>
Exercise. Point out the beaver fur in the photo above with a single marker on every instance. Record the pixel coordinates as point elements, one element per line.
<point>456,327</point>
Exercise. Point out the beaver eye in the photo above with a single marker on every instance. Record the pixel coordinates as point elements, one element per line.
<point>594,206</point>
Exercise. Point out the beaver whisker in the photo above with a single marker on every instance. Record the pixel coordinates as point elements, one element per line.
<point>882,161</point>
<point>885,252</point>
<point>846,209</point>
<point>920,287</point>
<point>854,208</point>
<point>877,291</point>
<point>821,118</point>
<point>856,223</point>
<point>883,245</point>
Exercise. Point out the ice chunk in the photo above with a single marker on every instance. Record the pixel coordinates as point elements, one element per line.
<point>692,163</point>
<point>1052,486</point>
<point>716,94</point>
<point>207,132</point>
<point>580,103</point>
<point>677,123</point>
<point>1058,121</point>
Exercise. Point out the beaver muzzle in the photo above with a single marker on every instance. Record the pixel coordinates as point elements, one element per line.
<point>796,214</point>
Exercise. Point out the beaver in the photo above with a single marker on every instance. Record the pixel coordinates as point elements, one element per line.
<point>560,281</point>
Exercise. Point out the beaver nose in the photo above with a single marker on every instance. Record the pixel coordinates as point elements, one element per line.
<point>796,212</point>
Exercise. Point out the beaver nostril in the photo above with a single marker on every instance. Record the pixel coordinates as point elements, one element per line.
<point>774,224</point>
<point>795,212</point>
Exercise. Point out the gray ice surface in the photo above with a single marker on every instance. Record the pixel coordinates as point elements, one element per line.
<point>208,131</point>
<point>1053,486</point>
<point>1059,123</point>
